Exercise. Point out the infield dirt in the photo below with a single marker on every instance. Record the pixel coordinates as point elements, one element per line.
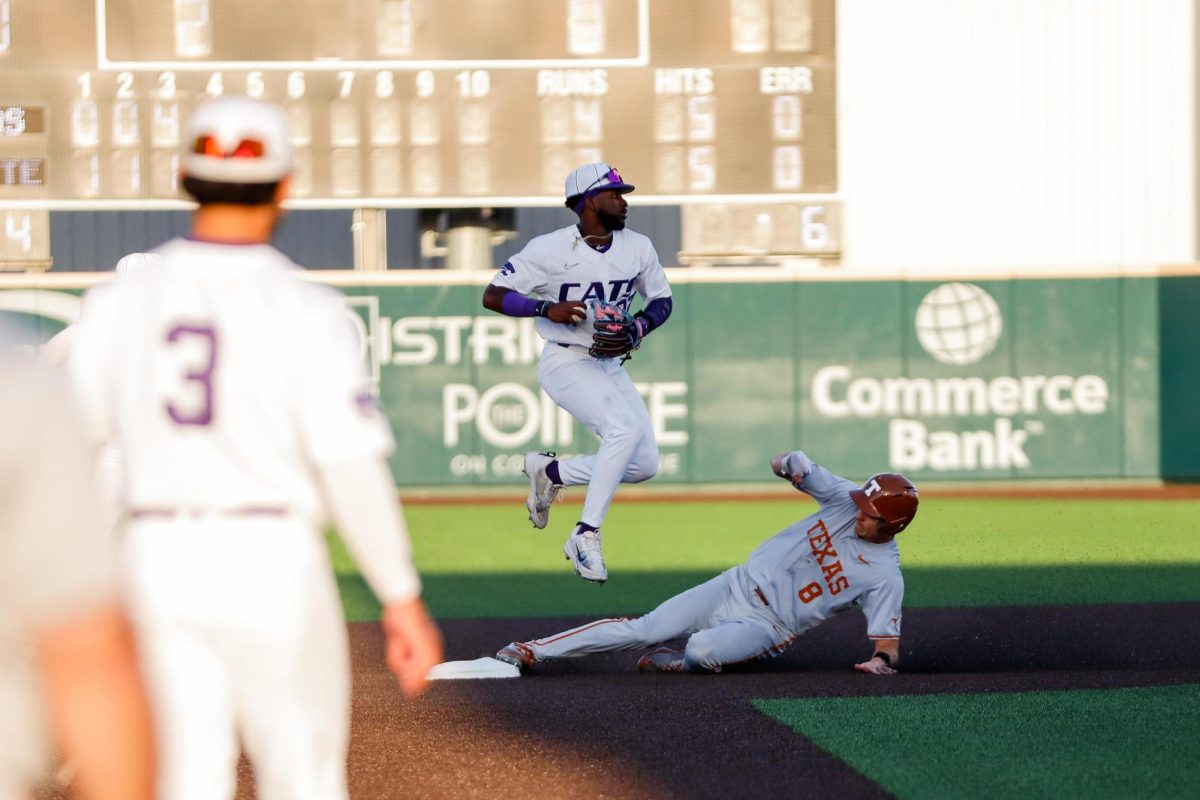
<point>595,727</point>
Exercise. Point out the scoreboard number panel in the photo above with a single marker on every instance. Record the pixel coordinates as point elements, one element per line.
<point>25,238</point>
<point>225,32</point>
<point>427,103</point>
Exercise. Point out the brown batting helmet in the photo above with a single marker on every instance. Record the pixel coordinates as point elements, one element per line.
<point>890,497</point>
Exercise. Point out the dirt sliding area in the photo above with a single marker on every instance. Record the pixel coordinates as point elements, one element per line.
<point>597,728</point>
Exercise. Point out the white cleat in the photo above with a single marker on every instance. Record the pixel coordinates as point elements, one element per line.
<point>583,550</point>
<point>542,490</point>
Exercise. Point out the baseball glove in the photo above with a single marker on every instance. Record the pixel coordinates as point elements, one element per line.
<point>616,332</point>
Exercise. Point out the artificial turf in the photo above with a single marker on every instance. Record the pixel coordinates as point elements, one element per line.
<point>486,561</point>
<point>1110,743</point>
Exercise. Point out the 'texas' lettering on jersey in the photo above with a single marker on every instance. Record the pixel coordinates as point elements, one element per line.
<point>827,557</point>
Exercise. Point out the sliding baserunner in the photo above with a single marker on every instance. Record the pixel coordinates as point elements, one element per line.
<point>842,555</point>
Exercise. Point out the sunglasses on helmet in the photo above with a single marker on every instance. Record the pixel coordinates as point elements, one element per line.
<point>209,147</point>
<point>612,176</point>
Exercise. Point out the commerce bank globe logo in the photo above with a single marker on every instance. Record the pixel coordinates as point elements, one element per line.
<point>958,323</point>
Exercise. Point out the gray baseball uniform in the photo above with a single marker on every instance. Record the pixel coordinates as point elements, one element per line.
<point>791,583</point>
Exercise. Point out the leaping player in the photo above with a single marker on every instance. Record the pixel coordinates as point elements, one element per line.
<point>590,272</point>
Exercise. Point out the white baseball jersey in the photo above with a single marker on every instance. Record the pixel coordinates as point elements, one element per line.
<point>560,266</point>
<point>227,382</point>
<point>818,567</point>
<point>225,379</point>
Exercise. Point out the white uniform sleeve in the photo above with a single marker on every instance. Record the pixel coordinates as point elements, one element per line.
<point>652,282</point>
<point>368,517</point>
<point>525,272</point>
<point>338,416</point>
<point>55,556</point>
<point>93,342</point>
<point>54,353</point>
<point>881,605</point>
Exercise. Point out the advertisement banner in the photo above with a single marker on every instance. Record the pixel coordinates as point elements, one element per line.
<point>954,380</point>
<point>997,379</point>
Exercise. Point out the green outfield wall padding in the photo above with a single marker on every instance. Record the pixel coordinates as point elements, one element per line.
<point>1179,318</point>
<point>941,380</point>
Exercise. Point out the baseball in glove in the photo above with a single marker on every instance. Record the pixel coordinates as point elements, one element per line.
<point>615,331</point>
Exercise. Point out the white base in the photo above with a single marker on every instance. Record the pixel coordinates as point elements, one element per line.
<point>480,668</point>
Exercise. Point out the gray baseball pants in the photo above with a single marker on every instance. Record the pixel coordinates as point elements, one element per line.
<point>724,622</point>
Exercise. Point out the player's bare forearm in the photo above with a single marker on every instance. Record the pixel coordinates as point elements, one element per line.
<point>414,644</point>
<point>570,312</point>
<point>884,659</point>
<point>98,705</point>
<point>493,297</point>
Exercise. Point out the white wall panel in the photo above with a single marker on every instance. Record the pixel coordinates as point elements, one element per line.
<point>1023,134</point>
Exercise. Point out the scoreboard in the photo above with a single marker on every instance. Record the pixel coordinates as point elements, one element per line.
<point>425,103</point>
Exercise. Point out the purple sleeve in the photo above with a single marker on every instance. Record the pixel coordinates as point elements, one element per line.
<point>515,304</point>
<point>656,312</point>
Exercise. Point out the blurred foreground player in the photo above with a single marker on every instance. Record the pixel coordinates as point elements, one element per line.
<point>235,391</point>
<point>68,663</point>
<point>55,353</point>
<point>842,555</point>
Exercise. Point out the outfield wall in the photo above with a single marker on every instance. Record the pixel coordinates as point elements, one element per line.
<point>1179,359</point>
<point>980,379</point>
<point>1048,379</point>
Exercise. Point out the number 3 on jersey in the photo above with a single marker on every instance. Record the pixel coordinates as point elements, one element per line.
<point>196,407</point>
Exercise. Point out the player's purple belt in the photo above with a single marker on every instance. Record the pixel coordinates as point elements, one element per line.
<point>761,596</point>
<point>200,513</point>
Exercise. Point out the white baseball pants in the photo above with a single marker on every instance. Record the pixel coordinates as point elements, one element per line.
<point>601,395</point>
<point>242,635</point>
<point>726,626</point>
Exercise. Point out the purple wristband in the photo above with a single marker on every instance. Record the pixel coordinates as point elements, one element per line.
<point>515,304</point>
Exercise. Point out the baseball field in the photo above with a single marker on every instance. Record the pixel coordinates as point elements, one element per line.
<point>1048,651</point>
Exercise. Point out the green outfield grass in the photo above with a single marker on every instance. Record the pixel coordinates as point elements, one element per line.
<point>487,561</point>
<point>1112,743</point>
